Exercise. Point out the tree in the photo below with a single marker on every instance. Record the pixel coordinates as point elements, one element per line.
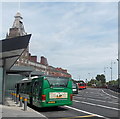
<point>91,82</point>
<point>101,79</point>
<point>113,82</point>
<point>98,77</point>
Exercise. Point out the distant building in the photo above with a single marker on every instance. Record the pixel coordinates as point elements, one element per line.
<point>27,59</point>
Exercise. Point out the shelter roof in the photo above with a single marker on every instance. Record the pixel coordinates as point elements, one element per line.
<point>24,70</point>
<point>12,49</point>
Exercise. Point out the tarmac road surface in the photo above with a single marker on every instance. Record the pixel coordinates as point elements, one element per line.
<point>90,103</point>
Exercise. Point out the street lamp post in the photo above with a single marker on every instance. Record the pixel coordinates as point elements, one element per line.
<point>105,72</point>
<point>89,76</point>
<point>118,67</point>
<point>111,68</point>
<point>79,77</point>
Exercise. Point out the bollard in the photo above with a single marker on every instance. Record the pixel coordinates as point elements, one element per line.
<point>21,101</point>
<point>11,95</point>
<point>14,97</point>
<point>25,104</point>
<point>17,99</point>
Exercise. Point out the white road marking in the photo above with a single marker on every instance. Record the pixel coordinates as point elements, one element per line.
<point>114,92</point>
<point>104,101</point>
<point>92,92</point>
<point>86,112</point>
<point>97,105</point>
<point>109,94</point>
<point>99,100</point>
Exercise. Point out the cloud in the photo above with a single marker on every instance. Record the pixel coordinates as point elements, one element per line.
<point>61,0</point>
<point>81,37</point>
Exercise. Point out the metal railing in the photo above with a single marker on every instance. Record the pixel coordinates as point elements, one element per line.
<point>114,88</point>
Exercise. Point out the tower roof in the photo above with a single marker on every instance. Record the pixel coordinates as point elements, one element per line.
<point>17,28</point>
<point>18,15</point>
<point>17,23</point>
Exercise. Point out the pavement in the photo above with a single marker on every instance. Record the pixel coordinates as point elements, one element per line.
<point>11,109</point>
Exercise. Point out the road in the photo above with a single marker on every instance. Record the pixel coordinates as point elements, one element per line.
<point>89,103</point>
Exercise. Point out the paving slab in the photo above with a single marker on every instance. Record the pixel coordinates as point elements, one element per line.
<point>11,109</point>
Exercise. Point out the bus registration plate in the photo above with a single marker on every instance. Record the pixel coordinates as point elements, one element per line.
<point>58,95</point>
<point>51,102</point>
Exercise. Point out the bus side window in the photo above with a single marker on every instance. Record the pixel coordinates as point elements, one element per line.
<point>28,88</point>
<point>35,87</point>
<point>22,88</point>
<point>40,87</point>
<point>17,88</point>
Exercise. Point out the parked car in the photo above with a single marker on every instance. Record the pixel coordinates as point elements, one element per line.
<point>74,88</point>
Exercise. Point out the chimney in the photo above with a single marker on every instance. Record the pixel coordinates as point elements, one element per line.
<point>33,58</point>
<point>44,61</point>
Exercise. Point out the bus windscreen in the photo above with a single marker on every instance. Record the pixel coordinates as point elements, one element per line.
<point>57,82</point>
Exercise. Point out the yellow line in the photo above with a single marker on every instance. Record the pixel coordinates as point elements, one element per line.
<point>78,117</point>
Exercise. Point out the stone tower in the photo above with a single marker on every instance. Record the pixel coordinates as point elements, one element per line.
<point>18,30</point>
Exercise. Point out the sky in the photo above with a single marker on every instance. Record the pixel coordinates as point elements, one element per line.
<point>81,37</point>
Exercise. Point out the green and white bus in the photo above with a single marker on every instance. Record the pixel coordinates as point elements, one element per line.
<point>46,91</point>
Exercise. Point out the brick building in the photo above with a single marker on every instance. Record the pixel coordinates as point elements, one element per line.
<point>27,59</point>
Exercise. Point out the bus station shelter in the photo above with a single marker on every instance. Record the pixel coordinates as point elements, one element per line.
<point>10,50</point>
<point>17,73</point>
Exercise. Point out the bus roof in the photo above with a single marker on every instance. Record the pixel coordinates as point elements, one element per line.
<point>27,79</point>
